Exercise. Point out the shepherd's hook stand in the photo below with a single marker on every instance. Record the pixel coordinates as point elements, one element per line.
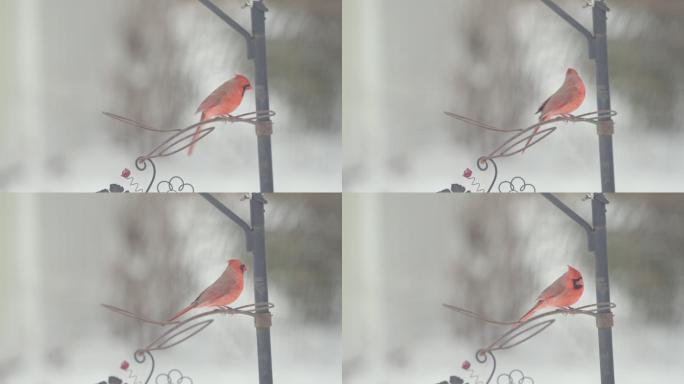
<point>183,138</point>
<point>602,117</point>
<point>256,51</point>
<point>518,333</point>
<point>597,241</point>
<point>255,243</point>
<point>598,51</point>
<point>602,311</point>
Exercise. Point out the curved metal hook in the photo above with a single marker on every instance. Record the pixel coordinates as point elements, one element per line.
<point>482,165</point>
<point>140,358</point>
<point>481,357</point>
<point>141,165</point>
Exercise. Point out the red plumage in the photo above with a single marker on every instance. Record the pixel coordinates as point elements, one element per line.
<point>562,293</point>
<point>224,100</point>
<point>224,291</point>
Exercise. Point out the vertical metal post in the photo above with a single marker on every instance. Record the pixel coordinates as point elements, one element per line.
<point>604,322</point>
<point>264,125</point>
<point>263,319</point>
<point>605,125</point>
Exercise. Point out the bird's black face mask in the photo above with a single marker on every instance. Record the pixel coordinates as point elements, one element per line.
<point>577,283</point>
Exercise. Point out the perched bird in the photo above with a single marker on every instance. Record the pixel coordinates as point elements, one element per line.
<point>224,100</point>
<point>225,290</point>
<point>562,293</point>
<point>566,99</point>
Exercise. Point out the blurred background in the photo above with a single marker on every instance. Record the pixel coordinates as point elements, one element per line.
<point>406,255</point>
<point>63,255</point>
<point>62,64</point>
<point>405,62</point>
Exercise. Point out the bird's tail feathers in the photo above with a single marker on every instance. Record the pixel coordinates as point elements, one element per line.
<point>531,312</point>
<point>182,312</point>
<point>196,135</point>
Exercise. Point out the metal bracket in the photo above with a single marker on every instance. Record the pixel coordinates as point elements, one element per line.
<point>264,128</point>
<point>259,6</point>
<point>260,198</point>
<point>604,320</point>
<point>263,320</point>
<point>575,24</point>
<point>600,197</point>
<point>233,24</point>
<point>575,217</point>
<point>233,217</point>
<point>601,4</point>
<point>605,128</point>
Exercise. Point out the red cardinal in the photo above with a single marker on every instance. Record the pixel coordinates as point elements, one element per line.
<point>224,100</point>
<point>564,292</point>
<point>566,99</point>
<point>223,291</point>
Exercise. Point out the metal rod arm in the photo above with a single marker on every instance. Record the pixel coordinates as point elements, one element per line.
<point>574,216</point>
<point>233,216</point>
<point>233,24</point>
<point>576,24</point>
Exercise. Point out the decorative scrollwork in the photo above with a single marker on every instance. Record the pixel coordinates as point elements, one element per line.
<point>185,329</point>
<point>141,165</point>
<point>516,184</point>
<point>175,184</point>
<point>519,333</point>
<point>182,138</point>
<point>180,331</point>
<point>482,357</point>
<point>174,376</point>
<point>178,140</point>
<point>515,376</point>
<point>140,357</point>
<point>537,132</point>
<point>523,139</point>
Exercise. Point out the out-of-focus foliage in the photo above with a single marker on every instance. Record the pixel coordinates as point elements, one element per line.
<point>645,50</point>
<point>490,262</point>
<point>151,262</point>
<point>646,257</point>
<point>303,47</point>
<point>490,73</point>
<point>304,253</point>
<point>152,80</point>
<point>306,65</point>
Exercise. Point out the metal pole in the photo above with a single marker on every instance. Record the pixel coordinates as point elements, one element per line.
<point>264,125</point>
<point>598,51</point>
<point>605,125</point>
<point>263,319</point>
<point>604,321</point>
<point>256,50</point>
